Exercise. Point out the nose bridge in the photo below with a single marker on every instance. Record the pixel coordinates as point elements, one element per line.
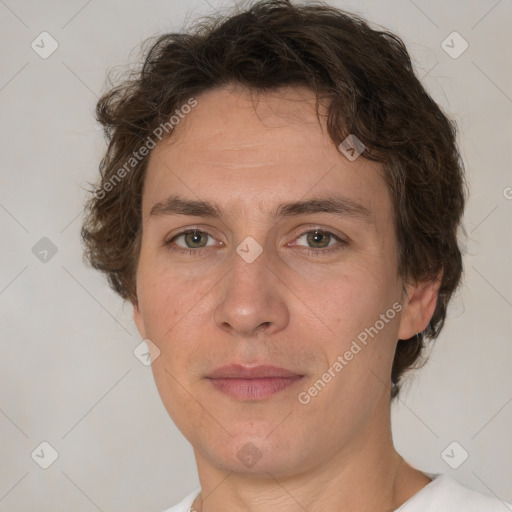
<point>249,277</point>
<point>251,268</point>
<point>252,297</point>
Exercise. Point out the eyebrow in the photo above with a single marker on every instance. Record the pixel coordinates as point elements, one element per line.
<point>337,205</point>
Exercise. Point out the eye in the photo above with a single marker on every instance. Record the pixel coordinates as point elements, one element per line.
<point>319,241</point>
<point>315,241</point>
<point>190,239</point>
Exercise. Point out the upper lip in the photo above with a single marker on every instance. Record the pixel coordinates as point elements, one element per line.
<point>238,371</point>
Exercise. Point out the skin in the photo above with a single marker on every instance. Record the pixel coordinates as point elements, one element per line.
<point>249,153</point>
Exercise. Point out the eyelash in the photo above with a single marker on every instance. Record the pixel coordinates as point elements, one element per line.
<point>310,251</point>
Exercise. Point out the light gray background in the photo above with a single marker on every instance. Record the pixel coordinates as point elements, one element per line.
<point>68,374</point>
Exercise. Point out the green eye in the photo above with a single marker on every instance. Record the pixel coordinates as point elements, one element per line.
<point>191,239</point>
<point>318,239</point>
<point>318,242</point>
<point>195,239</point>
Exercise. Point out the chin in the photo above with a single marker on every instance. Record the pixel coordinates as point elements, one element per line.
<point>252,461</point>
<point>258,455</point>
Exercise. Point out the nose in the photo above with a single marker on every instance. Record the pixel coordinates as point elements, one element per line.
<point>252,299</point>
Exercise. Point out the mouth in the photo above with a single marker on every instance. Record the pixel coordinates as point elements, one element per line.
<point>252,383</point>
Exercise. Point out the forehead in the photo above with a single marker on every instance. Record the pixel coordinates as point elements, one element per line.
<point>257,149</point>
<point>233,125</point>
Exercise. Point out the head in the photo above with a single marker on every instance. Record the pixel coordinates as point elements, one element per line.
<point>229,217</point>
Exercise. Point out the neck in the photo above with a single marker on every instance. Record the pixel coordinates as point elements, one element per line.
<point>368,475</point>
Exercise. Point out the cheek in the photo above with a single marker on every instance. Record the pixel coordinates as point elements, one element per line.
<point>348,301</point>
<point>164,295</point>
<point>172,311</point>
<point>173,387</point>
<point>178,318</point>
<point>351,307</point>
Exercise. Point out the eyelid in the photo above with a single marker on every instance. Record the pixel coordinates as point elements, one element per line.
<point>203,233</point>
<point>332,236</point>
<point>183,231</point>
<point>342,242</point>
<point>342,239</point>
<point>316,227</point>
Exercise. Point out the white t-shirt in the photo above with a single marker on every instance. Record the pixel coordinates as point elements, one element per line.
<point>443,494</point>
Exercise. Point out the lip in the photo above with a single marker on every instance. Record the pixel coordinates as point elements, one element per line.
<point>252,382</point>
<point>240,371</point>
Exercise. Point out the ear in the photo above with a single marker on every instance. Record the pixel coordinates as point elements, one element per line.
<point>419,304</point>
<point>139,321</point>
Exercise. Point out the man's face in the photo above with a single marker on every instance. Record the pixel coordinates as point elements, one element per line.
<point>209,300</point>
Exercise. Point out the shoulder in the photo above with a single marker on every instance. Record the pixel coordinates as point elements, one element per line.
<point>444,494</point>
<point>185,504</point>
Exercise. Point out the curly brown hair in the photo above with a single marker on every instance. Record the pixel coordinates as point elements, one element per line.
<point>372,92</point>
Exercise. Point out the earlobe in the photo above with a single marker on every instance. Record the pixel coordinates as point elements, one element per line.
<point>139,322</point>
<point>419,305</point>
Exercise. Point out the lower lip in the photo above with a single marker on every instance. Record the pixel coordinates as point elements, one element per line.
<point>253,389</point>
